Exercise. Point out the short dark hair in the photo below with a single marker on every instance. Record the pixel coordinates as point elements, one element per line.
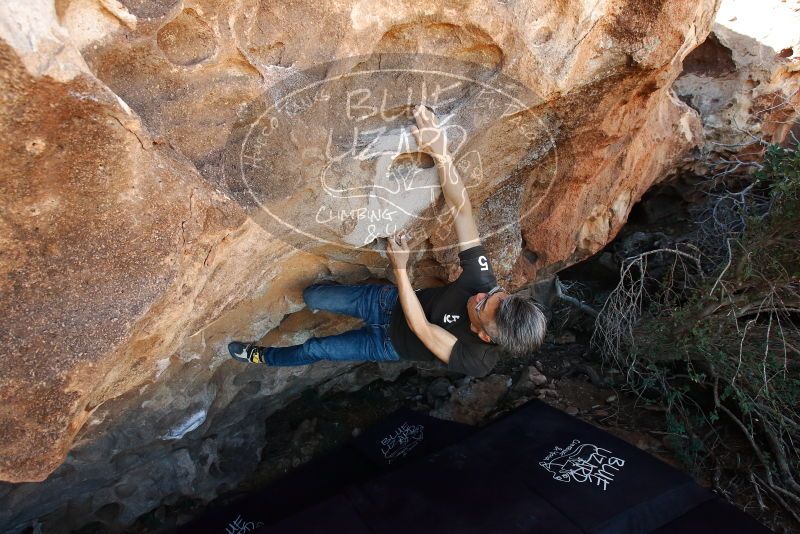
<point>519,324</point>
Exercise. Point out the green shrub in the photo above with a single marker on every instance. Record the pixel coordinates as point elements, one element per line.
<point>717,341</point>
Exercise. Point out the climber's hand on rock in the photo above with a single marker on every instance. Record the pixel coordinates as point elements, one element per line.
<point>430,137</point>
<point>397,250</point>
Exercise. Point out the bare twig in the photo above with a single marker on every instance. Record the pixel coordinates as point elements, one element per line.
<point>572,301</point>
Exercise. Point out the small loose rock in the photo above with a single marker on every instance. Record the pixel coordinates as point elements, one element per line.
<point>439,389</point>
<point>550,393</point>
<point>536,377</point>
<point>566,338</point>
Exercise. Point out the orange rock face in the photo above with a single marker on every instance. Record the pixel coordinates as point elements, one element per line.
<point>132,252</point>
<point>125,238</point>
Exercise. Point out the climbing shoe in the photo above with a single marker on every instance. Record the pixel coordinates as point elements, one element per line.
<point>246,352</point>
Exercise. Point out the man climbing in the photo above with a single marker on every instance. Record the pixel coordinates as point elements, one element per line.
<point>466,324</point>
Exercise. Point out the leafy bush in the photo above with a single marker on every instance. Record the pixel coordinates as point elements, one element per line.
<point>717,339</point>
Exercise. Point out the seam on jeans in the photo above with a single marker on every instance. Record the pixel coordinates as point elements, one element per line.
<point>388,346</point>
<point>382,297</point>
<point>390,308</point>
<point>387,328</point>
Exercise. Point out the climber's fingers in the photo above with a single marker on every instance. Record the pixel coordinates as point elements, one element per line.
<point>426,134</point>
<point>399,238</point>
<point>422,137</point>
<point>424,116</point>
<point>418,118</point>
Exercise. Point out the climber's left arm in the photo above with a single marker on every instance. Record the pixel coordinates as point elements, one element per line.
<point>438,340</point>
<point>458,200</point>
<point>432,139</point>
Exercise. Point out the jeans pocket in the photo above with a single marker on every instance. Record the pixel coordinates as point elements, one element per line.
<point>389,350</point>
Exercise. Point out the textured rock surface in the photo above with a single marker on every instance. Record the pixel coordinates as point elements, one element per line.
<point>744,79</point>
<point>472,402</point>
<point>127,265</point>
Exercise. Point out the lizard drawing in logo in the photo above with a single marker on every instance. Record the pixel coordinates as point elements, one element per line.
<point>583,462</point>
<point>404,184</point>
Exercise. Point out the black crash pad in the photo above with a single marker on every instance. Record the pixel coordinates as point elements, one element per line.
<point>536,470</point>
<point>401,437</point>
<point>713,516</point>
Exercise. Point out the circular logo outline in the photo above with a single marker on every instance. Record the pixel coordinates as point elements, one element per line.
<point>278,105</point>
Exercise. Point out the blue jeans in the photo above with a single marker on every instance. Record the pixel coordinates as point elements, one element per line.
<point>372,303</point>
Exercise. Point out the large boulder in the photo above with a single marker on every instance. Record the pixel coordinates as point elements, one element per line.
<point>744,79</point>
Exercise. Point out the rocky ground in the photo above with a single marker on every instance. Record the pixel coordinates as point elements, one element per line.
<point>561,374</point>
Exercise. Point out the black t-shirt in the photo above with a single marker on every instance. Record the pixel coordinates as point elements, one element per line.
<point>447,307</point>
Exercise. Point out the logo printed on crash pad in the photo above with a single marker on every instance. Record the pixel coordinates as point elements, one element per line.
<point>242,526</point>
<point>401,441</point>
<point>583,462</point>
